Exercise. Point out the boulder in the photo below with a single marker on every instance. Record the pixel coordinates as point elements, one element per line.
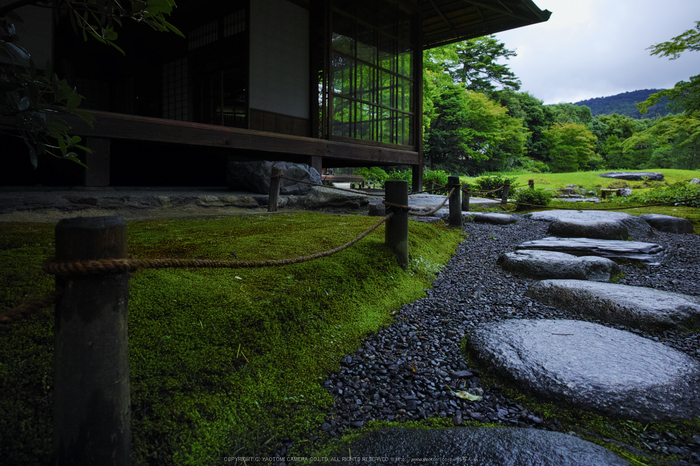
<point>636,228</point>
<point>694,181</point>
<point>639,307</point>
<point>633,176</point>
<point>549,264</point>
<point>600,229</point>
<point>493,218</point>
<point>376,208</point>
<point>592,367</point>
<point>255,177</point>
<point>485,446</point>
<point>646,253</point>
<point>668,223</point>
<point>321,197</point>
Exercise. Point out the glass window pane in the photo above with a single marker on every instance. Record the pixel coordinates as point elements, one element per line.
<point>366,44</point>
<point>387,89</point>
<point>343,34</point>
<point>405,31</point>
<point>405,60</point>
<point>403,95</point>
<point>343,75</point>
<point>366,83</point>
<point>387,52</point>
<point>366,121</point>
<point>343,118</point>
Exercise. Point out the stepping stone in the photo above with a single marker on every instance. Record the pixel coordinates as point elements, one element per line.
<point>668,223</point>
<point>636,306</point>
<point>493,218</point>
<point>592,367</point>
<point>485,446</point>
<point>614,224</point>
<point>646,253</point>
<point>599,229</point>
<point>550,264</point>
<point>634,176</point>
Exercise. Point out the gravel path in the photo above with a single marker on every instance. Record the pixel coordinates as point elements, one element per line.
<point>378,381</point>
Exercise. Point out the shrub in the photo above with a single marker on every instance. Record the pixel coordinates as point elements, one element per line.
<point>374,175</point>
<point>533,197</point>
<point>490,183</point>
<point>677,194</point>
<point>439,177</point>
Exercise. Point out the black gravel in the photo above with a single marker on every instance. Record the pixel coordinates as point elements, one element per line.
<point>378,381</point>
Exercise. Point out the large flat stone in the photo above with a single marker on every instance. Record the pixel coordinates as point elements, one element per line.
<point>668,223</point>
<point>614,223</point>
<point>493,218</point>
<point>321,197</point>
<point>647,253</point>
<point>636,306</point>
<point>550,264</point>
<point>634,176</point>
<point>598,229</point>
<point>482,446</point>
<point>592,367</point>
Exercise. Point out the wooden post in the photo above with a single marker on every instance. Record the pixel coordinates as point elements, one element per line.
<point>396,231</point>
<point>465,197</point>
<point>504,193</point>
<point>275,181</point>
<point>531,184</point>
<point>431,187</point>
<point>91,398</point>
<point>455,207</point>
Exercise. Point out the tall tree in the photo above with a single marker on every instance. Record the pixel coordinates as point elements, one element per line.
<point>571,147</point>
<point>32,101</point>
<point>685,95</point>
<point>474,63</point>
<point>673,142</point>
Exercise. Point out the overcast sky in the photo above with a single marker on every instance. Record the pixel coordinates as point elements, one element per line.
<point>597,48</point>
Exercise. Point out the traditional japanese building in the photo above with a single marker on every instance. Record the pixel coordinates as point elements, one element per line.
<point>331,83</point>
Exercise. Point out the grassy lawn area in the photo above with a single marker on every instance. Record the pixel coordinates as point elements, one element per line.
<point>224,362</point>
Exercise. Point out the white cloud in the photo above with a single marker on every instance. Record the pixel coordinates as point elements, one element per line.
<point>594,48</point>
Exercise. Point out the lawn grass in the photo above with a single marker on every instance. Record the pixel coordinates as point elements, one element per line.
<point>589,180</point>
<point>224,362</point>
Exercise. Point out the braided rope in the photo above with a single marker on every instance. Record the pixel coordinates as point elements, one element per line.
<point>106,266</point>
<point>28,308</point>
<point>417,213</point>
<point>332,187</point>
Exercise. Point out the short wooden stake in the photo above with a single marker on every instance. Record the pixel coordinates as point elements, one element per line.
<point>275,181</point>
<point>396,231</point>
<point>504,193</point>
<point>91,398</point>
<point>455,207</point>
<point>531,184</point>
<point>465,197</point>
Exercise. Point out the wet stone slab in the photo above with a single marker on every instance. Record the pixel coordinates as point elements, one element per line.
<point>602,224</point>
<point>493,218</point>
<point>646,253</point>
<point>668,223</point>
<point>476,445</point>
<point>592,367</point>
<point>639,307</point>
<point>550,264</point>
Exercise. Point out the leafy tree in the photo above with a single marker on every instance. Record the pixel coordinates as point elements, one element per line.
<point>473,134</point>
<point>474,63</point>
<point>571,147</point>
<point>686,94</point>
<point>32,101</point>
<point>673,142</point>
<point>536,116</point>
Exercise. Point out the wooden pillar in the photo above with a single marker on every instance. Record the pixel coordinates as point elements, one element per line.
<point>275,182</point>
<point>417,177</point>
<point>465,197</point>
<point>91,398</point>
<point>396,231</point>
<point>97,172</point>
<point>316,162</point>
<point>455,207</point>
<point>504,193</point>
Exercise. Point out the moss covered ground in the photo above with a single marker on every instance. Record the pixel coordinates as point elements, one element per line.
<point>224,362</point>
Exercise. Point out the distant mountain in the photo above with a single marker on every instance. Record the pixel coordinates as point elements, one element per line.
<point>624,104</point>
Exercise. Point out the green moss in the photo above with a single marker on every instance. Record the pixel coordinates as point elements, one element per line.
<point>224,362</point>
<point>626,438</point>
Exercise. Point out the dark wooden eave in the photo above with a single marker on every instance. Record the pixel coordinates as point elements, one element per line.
<point>334,153</point>
<point>448,21</point>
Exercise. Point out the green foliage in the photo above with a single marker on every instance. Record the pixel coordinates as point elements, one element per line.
<point>32,101</point>
<point>491,183</point>
<point>372,175</point>
<point>571,147</point>
<point>437,178</point>
<point>536,117</point>
<point>678,194</point>
<point>673,142</point>
<point>222,360</point>
<point>527,198</point>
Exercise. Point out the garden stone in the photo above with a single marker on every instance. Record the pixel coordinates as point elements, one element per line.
<point>376,208</point>
<point>639,307</point>
<point>646,253</point>
<point>477,445</point>
<point>550,264</point>
<point>633,176</point>
<point>668,223</point>
<point>695,181</point>
<point>255,177</point>
<point>321,197</point>
<point>600,229</point>
<point>592,367</point>
<point>493,218</point>
<point>636,228</point>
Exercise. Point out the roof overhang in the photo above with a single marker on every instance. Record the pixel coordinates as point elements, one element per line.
<point>448,21</point>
